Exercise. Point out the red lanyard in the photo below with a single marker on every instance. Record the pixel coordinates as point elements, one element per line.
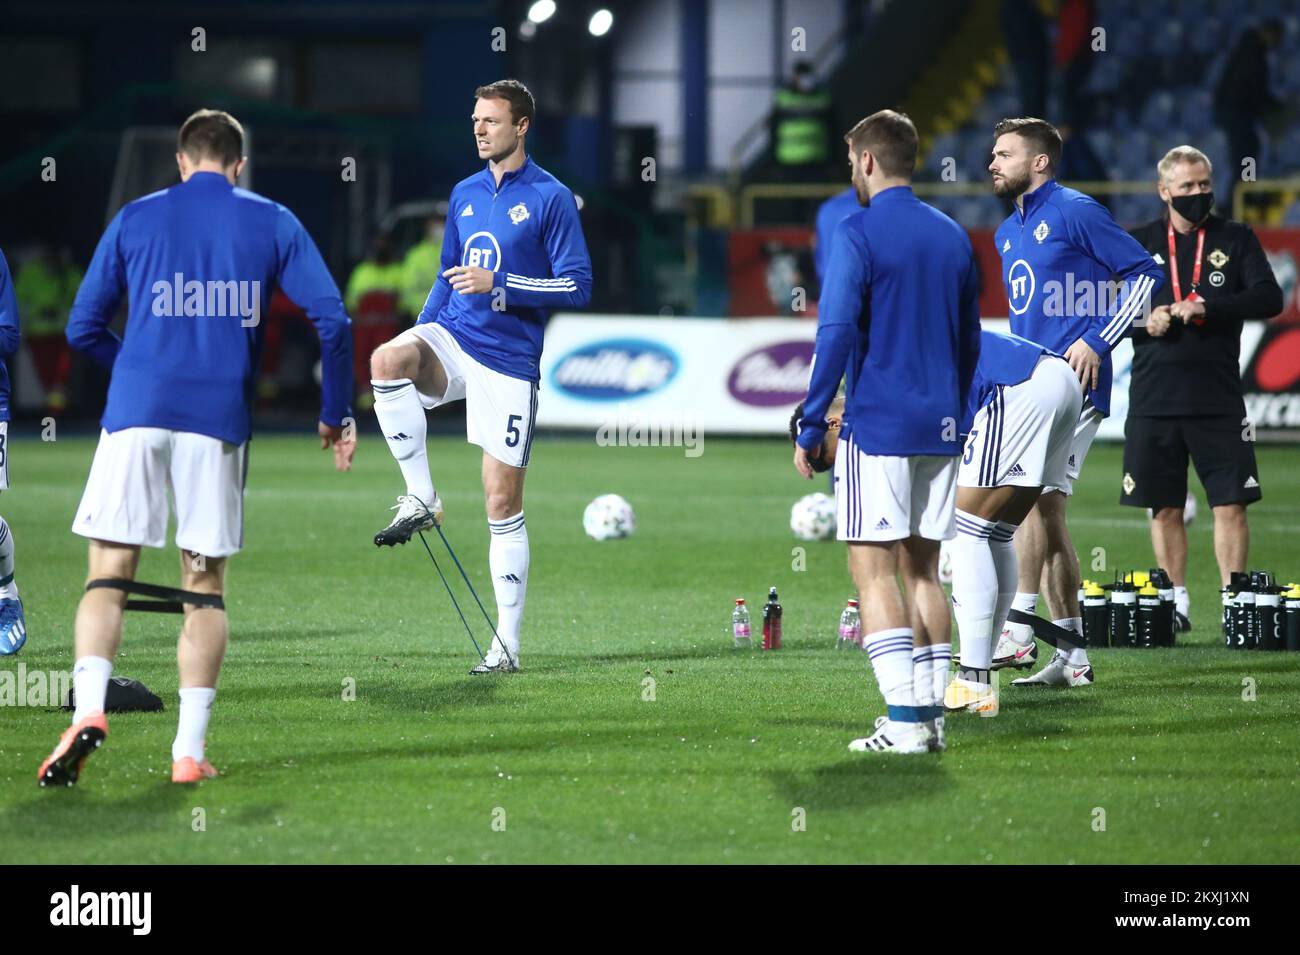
<point>1196,266</point>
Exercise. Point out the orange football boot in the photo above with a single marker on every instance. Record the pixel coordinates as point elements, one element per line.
<point>189,770</point>
<point>63,766</point>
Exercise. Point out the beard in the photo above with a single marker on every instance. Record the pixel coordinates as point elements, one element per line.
<point>1011,187</point>
<point>860,188</point>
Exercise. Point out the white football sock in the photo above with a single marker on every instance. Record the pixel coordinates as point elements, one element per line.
<point>922,686</point>
<point>1003,549</point>
<point>974,589</point>
<point>90,685</point>
<point>192,724</point>
<point>940,668</point>
<point>508,559</point>
<point>1022,633</point>
<point>1182,602</point>
<point>1078,656</point>
<point>8,589</point>
<point>401,417</point>
<point>890,652</point>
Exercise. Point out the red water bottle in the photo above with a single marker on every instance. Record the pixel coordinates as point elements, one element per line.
<point>772,622</point>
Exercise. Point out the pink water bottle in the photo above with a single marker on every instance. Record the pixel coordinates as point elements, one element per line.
<point>850,633</point>
<point>740,632</point>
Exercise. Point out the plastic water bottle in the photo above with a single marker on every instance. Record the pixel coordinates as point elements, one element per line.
<point>850,633</point>
<point>1291,616</point>
<point>772,622</point>
<point>1123,614</point>
<point>740,632</point>
<point>1096,616</point>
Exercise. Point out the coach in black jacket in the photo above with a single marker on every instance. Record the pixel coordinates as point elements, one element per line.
<point>1185,397</point>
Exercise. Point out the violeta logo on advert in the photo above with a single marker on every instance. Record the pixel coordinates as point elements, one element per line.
<point>615,369</point>
<point>773,375</point>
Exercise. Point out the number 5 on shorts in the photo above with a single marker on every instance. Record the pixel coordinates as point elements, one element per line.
<point>512,430</point>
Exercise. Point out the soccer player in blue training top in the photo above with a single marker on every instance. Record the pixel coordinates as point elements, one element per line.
<point>197,263</point>
<point>1060,250</point>
<point>13,628</point>
<point>512,252</point>
<point>1019,416</point>
<point>899,318</point>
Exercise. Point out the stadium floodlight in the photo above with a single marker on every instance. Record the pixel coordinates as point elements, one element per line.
<point>541,11</point>
<point>600,22</point>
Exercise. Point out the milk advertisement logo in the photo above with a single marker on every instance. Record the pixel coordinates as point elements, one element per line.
<point>615,369</point>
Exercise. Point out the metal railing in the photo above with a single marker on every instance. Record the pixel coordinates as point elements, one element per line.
<point>751,194</point>
<point>1288,189</point>
<point>748,196</point>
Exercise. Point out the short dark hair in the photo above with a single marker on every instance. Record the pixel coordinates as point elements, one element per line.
<point>1041,136</point>
<point>794,421</point>
<point>212,134</point>
<point>890,137</point>
<point>513,92</point>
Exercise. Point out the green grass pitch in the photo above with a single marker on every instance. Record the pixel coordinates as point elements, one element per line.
<point>427,763</point>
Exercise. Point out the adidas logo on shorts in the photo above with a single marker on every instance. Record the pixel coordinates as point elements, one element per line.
<point>1016,471</point>
<point>1250,483</point>
<point>883,524</point>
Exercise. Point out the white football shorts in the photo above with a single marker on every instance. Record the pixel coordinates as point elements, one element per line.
<point>500,411</point>
<point>1025,435</point>
<point>884,498</point>
<point>136,470</point>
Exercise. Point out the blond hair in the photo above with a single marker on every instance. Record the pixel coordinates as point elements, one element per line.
<point>1179,155</point>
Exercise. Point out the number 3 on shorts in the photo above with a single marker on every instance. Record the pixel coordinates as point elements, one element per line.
<point>512,430</point>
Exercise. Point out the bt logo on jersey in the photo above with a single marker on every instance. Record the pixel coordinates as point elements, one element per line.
<point>483,251</point>
<point>1020,282</point>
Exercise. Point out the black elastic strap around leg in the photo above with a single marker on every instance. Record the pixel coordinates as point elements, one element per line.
<point>162,599</point>
<point>1046,631</point>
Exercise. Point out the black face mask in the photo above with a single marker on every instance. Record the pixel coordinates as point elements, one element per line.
<point>1194,208</point>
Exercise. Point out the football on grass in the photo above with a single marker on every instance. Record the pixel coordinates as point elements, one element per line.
<point>813,517</point>
<point>608,517</point>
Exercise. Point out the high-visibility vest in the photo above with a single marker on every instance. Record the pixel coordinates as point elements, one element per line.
<point>801,131</point>
<point>421,268</point>
<point>45,296</point>
<point>370,276</point>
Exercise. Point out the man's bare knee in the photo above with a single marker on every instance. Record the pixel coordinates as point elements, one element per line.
<point>920,560</point>
<point>1230,515</point>
<point>393,360</point>
<point>110,560</point>
<point>203,575</point>
<point>1169,516</point>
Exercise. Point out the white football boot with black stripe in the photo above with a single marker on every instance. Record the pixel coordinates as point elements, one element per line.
<point>892,737</point>
<point>413,516</point>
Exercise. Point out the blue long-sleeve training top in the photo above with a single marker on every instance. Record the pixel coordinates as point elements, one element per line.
<point>8,332</point>
<point>899,319</point>
<point>829,214</point>
<point>198,263</point>
<point>1059,253</point>
<point>526,232</point>
<point>1004,360</point>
